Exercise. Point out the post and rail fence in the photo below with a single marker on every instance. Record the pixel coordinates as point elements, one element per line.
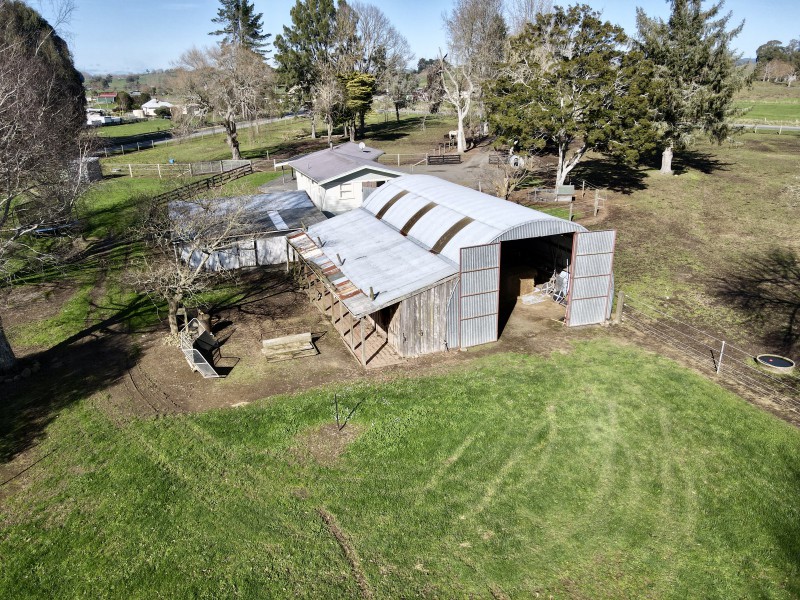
<point>175,169</point>
<point>192,189</point>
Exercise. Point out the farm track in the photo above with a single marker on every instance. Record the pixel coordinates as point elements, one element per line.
<point>147,398</point>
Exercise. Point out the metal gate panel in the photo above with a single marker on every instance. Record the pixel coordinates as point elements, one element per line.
<point>479,297</point>
<point>592,281</point>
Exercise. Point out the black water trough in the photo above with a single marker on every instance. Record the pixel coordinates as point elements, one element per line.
<point>773,362</point>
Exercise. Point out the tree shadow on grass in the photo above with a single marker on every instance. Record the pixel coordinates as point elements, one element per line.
<point>89,361</point>
<point>765,286</point>
<point>252,293</point>
<point>705,162</point>
<point>607,173</point>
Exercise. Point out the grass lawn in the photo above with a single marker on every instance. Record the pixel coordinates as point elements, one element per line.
<point>770,111</point>
<point>290,137</point>
<point>680,237</point>
<point>602,473</point>
<point>246,185</point>
<point>128,129</point>
<point>764,91</point>
<point>110,206</point>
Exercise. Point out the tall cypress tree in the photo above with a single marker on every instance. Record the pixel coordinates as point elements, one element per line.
<point>308,44</point>
<point>695,73</point>
<point>241,25</point>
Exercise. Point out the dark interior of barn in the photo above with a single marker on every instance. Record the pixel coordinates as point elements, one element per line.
<point>527,263</point>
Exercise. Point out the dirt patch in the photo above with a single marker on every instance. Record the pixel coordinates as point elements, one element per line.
<point>327,443</point>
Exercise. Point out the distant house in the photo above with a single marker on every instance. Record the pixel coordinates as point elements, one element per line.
<point>149,108</point>
<point>96,117</point>
<point>107,98</point>
<point>339,179</point>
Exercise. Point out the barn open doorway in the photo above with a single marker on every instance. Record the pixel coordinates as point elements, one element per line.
<point>526,263</point>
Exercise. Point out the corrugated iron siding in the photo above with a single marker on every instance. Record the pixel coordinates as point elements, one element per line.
<point>480,276</point>
<point>453,321</point>
<point>592,280</point>
<point>540,229</point>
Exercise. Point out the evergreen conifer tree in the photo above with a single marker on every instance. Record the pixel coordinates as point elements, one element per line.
<point>241,25</point>
<point>695,73</point>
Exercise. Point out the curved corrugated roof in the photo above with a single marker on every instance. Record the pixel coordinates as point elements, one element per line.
<point>408,234</point>
<point>444,217</point>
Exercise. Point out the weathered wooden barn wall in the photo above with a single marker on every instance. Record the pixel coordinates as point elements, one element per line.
<point>419,325</point>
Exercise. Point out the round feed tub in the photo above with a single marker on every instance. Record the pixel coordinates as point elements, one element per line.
<point>775,363</point>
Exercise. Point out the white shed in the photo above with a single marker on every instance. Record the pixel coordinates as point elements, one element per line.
<point>339,179</point>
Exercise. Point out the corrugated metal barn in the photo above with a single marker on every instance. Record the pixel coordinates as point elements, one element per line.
<point>261,240</point>
<point>426,265</point>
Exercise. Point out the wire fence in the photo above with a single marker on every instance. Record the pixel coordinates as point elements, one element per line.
<point>710,353</point>
<point>163,170</point>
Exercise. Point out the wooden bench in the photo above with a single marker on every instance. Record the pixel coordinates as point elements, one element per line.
<point>288,347</point>
<point>498,159</point>
<point>444,159</point>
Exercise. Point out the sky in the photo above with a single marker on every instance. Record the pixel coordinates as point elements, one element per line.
<point>121,36</point>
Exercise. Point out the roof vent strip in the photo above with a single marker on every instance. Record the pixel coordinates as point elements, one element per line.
<point>450,234</point>
<point>382,212</point>
<point>417,216</point>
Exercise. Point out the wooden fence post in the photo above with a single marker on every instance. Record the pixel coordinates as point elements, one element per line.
<point>159,170</point>
<point>620,304</point>
<point>130,170</point>
<point>719,361</point>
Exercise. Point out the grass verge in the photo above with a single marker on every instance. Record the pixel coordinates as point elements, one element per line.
<point>602,473</point>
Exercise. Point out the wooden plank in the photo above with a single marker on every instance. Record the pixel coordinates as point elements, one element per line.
<point>298,338</point>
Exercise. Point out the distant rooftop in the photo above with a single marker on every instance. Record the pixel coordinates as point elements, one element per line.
<point>331,163</point>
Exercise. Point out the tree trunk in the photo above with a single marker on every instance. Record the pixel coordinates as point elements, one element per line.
<point>461,139</point>
<point>233,137</point>
<point>313,126</point>
<point>329,123</point>
<point>397,111</point>
<point>7,358</point>
<point>353,130</point>
<point>173,303</point>
<point>361,124</point>
<point>666,161</point>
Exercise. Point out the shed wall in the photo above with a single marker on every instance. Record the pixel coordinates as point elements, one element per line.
<point>420,326</point>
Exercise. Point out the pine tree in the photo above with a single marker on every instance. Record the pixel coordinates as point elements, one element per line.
<point>241,25</point>
<point>695,73</point>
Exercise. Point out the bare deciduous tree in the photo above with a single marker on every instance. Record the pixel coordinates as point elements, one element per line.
<point>227,80</point>
<point>511,175</point>
<point>476,38</point>
<point>41,117</point>
<point>525,11</point>
<point>327,100</point>
<point>383,49</point>
<point>181,239</point>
